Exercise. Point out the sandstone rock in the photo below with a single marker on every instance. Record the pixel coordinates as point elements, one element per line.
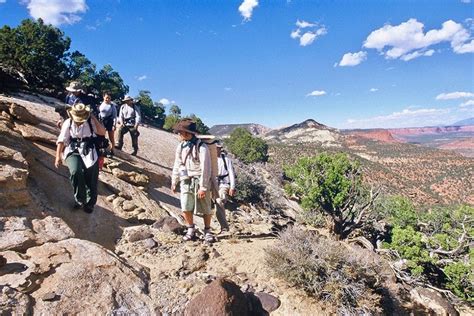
<point>13,302</point>
<point>269,302</point>
<point>431,302</point>
<point>22,114</point>
<point>110,198</point>
<point>138,235</point>
<point>89,279</point>
<point>221,297</point>
<point>4,106</point>
<point>117,203</point>
<point>15,234</point>
<point>5,116</point>
<point>50,296</point>
<point>33,133</point>
<point>169,224</point>
<point>13,176</point>
<point>51,229</point>
<point>132,177</point>
<point>128,206</point>
<point>148,243</point>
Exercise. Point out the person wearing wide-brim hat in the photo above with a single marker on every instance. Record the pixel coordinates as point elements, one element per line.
<point>75,146</point>
<point>226,185</point>
<point>128,120</point>
<point>76,94</point>
<point>192,170</point>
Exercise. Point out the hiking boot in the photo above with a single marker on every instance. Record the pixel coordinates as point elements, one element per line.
<point>134,153</point>
<point>77,205</point>
<point>88,208</point>
<point>118,147</point>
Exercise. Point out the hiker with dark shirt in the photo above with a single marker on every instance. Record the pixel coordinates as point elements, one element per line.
<point>76,147</point>
<point>128,120</point>
<point>76,95</point>
<point>226,184</point>
<point>192,171</point>
<point>108,117</point>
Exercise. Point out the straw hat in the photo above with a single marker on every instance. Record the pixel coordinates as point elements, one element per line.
<point>79,112</point>
<point>127,98</point>
<point>74,86</point>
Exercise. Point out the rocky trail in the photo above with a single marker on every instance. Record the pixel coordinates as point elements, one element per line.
<point>127,256</point>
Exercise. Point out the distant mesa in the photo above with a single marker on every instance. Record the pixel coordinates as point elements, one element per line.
<point>224,130</point>
<point>378,134</point>
<point>466,122</point>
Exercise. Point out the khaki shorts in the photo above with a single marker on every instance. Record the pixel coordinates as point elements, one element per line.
<point>189,200</point>
<point>223,194</point>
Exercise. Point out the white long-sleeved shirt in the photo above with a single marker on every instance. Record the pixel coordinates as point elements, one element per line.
<point>70,129</point>
<point>228,181</point>
<point>196,166</point>
<point>127,112</point>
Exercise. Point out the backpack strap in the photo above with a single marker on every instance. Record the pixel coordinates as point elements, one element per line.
<point>225,163</point>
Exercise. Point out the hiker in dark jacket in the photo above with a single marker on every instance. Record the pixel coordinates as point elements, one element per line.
<point>128,120</point>
<point>76,95</point>
<point>226,182</point>
<point>75,146</point>
<point>108,117</point>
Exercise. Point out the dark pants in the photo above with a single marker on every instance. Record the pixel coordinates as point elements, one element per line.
<point>83,180</point>
<point>133,133</point>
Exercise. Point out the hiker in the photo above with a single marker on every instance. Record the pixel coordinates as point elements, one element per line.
<point>128,119</point>
<point>75,146</point>
<point>75,95</point>
<point>226,183</point>
<point>108,117</point>
<point>192,170</point>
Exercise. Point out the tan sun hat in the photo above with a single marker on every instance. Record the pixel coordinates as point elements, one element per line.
<point>74,86</point>
<point>79,112</point>
<point>185,125</point>
<point>127,98</point>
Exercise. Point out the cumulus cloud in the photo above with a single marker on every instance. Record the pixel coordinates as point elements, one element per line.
<point>304,24</point>
<point>408,40</point>
<point>308,37</point>
<point>405,118</point>
<point>374,90</point>
<point>228,89</point>
<point>246,8</point>
<point>353,59</point>
<point>316,93</point>
<point>164,101</point>
<point>57,12</point>
<point>466,104</point>
<point>466,1</point>
<point>3,1</point>
<point>141,78</point>
<point>454,95</point>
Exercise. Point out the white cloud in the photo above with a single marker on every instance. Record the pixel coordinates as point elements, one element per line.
<point>353,59</point>
<point>417,54</point>
<point>304,24</point>
<point>228,89</point>
<point>374,90</point>
<point>467,104</point>
<point>408,39</point>
<point>57,12</point>
<point>246,8</point>
<point>309,36</point>
<point>454,95</point>
<point>141,78</point>
<point>466,1</point>
<point>404,118</point>
<point>3,1</point>
<point>316,93</point>
<point>164,101</point>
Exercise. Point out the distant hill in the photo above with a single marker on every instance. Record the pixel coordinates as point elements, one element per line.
<point>469,121</point>
<point>224,130</point>
<point>308,131</point>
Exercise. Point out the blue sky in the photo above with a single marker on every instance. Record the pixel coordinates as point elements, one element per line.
<point>347,64</point>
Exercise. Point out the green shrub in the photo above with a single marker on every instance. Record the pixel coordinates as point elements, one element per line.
<point>246,147</point>
<point>331,184</point>
<point>460,279</point>
<point>249,188</point>
<point>326,270</point>
<point>398,211</point>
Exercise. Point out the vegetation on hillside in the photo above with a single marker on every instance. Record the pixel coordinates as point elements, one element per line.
<point>246,147</point>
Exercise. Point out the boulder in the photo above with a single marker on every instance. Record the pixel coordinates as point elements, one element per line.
<point>51,229</point>
<point>87,279</point>
<point>36,134</point>
<point>22,114</point>
<point>430,302</point>
<point>220,297</point>
<point>169,224</point>
<point>15,234</point>
<point>13,302</point>
<point>5,116</point>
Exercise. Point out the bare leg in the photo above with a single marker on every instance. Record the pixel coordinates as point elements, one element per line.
<point>188,217</point>
<point>112,138</point>
<point>207,220</point>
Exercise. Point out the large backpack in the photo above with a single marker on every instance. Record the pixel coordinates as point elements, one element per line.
<point>211,141</point>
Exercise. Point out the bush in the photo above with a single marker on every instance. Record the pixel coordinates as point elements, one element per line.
<point>331,184</point>
<point>398,211</point>
<point>326,270</point>
<point>461,279</point>
<point>249,188</point>
<point>246,147</point>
